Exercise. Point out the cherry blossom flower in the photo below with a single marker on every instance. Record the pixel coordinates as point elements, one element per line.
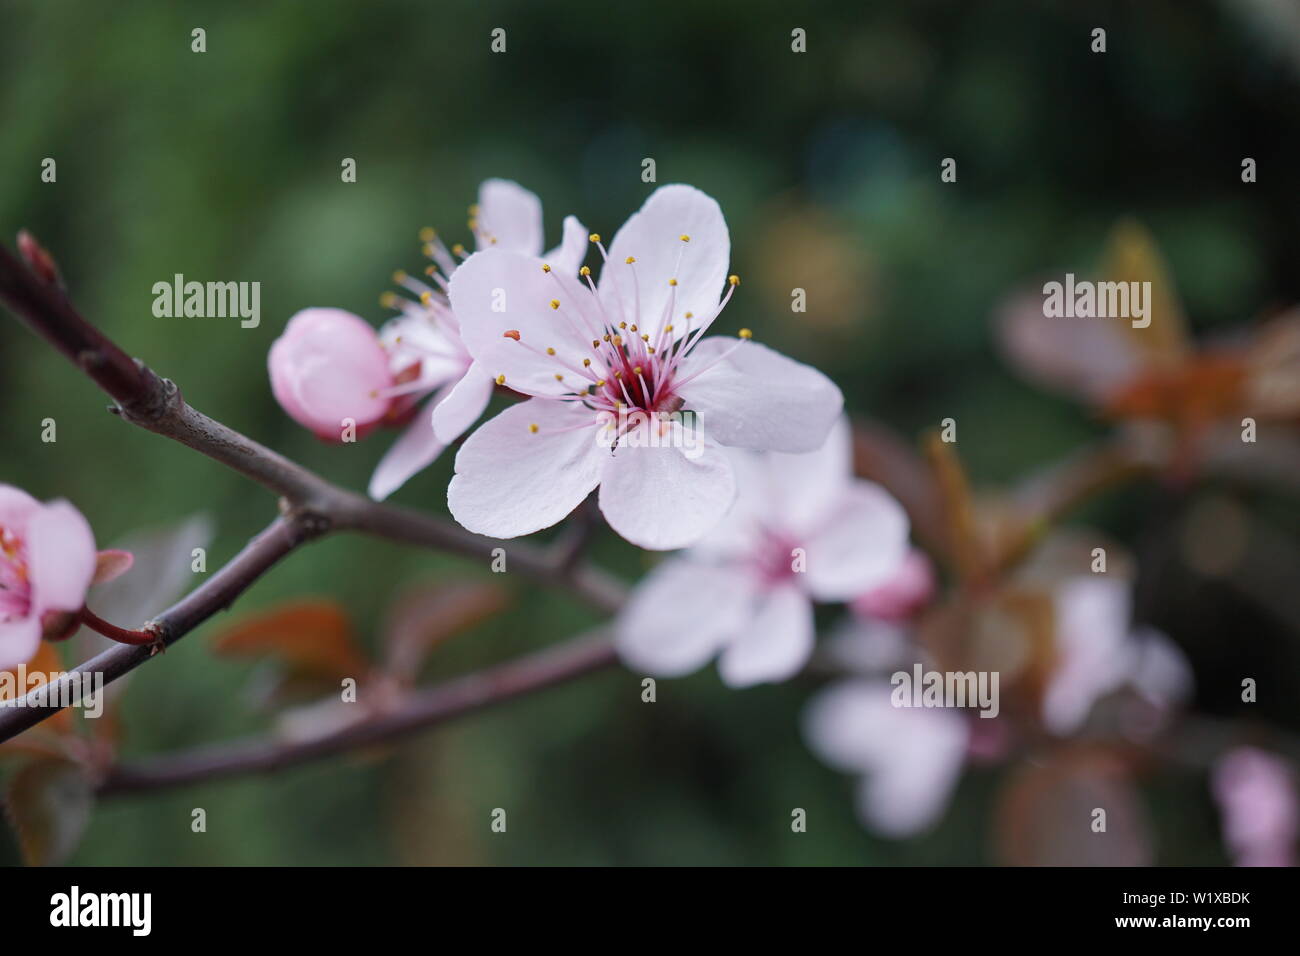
<point>47,561</point>
<point>330,365</point>
<point>802,529</point>
<point>1256,793</point>
<point>1098,651</point>
<point>428,354</point>
<point>909,758</point>
<point>610,371</point>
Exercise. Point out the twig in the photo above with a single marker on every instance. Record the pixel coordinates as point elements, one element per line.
<point>310,505</point>
<point>422,709</point>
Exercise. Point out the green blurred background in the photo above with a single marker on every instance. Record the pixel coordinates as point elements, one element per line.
<point>225,165</point>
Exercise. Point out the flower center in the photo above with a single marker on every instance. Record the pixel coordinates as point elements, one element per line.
<point>15,589</point>
<point>634,362</point>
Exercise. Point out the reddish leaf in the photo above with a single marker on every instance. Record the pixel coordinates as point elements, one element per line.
<point>48,802</point>
<point>310,636</point>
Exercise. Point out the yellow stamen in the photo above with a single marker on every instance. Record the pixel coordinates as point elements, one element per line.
<point>388,300</point>
<point>399,276</point>
<point>734,280</point>
<point>533,429</point>
<point>545,267</point>
<point>586,363</point>
<point>426,298</point>
<point>685,238</point>
<point>594,237</point>
<point>501,379</point>
<point>672,281</point>
<point>555,303</point>
<point>630,259</point>
<point>427,234</point>
<point>585,271</point>
<point>550,351</point>
<point>745,334</point>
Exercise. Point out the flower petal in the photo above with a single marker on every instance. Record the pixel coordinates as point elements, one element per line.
<point>462,404</point>
<point>568,255</point>
<point>496,292</point>
<point>61,558</point>
<point>862,542</point>
<point>778,643</point>
<point>509,217</point>
<point>640,292</point>
<point>510,481</point>
<point>327,367</point>
<point>665,486</point>
<point>681,615</point>
<point>757,398</point>
<point>415,449</point>
<point>19,641</point>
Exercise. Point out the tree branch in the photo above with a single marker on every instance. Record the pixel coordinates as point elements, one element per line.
<point>310,505</point>
<point>422,709</point>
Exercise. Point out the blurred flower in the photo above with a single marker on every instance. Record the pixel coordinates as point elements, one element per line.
<point>47,561</point>
<point>610,370</point>
<point>1256,793</point>
<point>899,597</point>
<point>327,367</point>
<point>802,529</point>
<point>910,758</point>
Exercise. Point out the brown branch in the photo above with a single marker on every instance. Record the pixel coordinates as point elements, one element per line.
<point>310,505</point>
<point>421,709</point>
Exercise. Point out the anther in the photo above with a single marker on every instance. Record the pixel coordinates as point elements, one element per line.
<point>734,280</point>
<point>545,267</point>
<point>685,238</point>
<point>511,334</point>
<point>630,259</point>
<point>501,379</point>
<point>745,334</point>
<point>533,429</point>
<point>555,303</point>
<point>427,234</point>
<point>594,237</point>
<point>550,351</point>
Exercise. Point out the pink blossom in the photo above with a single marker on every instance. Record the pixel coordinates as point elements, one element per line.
<point>328,367</point>
<point>802,529</point>
<point>609,371</point>
<point>1256,793</point>
<point>424,343</point>
<point>47,560</point>
<point>1098,651</point>
<point>903,594</point>
<point>909,758</point>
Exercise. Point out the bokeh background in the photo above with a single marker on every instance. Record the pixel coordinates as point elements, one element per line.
<point>225,165</point>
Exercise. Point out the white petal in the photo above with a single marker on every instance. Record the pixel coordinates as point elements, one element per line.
<point>568,255</point>
<point>908,794</point>
<point>665,487</point>
<point>1092,626</point>
<point>801,488</point>
<point>494,292</point>
<point>415,449</point>
<point>511,215</point>
<point>640,292</point>
<point>61,557</point>
<point>681,615</point>
<point>462,404</point>
<point>510,481</point>
<point>777,644</point>
<point>757,398</point>
<point>861,542</point>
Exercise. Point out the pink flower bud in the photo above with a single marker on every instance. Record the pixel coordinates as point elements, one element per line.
<point>47,559</point>
<point>903,594</point>
<point>328,367</point>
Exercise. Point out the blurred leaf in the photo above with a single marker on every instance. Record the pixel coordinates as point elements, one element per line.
<point>1131,255</point>
<point>1046,813</point>
<point>961,541</point>
<point>111,564</point>
<point>424,617</point>
<point>312,637</point>
<point>48,802</point>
